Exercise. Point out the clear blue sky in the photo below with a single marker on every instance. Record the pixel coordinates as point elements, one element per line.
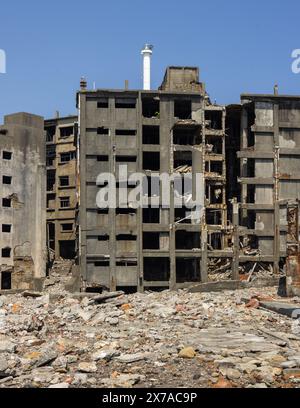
<point>239,47</point>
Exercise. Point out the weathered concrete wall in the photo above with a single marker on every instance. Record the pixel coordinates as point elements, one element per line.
<point>22,135</point>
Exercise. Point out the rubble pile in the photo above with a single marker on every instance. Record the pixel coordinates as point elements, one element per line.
<point>157,339</point>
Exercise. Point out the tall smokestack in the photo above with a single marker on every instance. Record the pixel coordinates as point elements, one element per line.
<point>147,52</point>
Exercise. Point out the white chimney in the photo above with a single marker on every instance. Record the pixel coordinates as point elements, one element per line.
<point>147,52</point>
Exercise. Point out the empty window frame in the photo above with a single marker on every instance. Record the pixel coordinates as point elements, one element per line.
<point>104,237</point>
<point>6,155</point>
<point>151,135</point>
<point>126,159</point>
<point>51,180</point>
<point>213,119</point>
<point>102,131</point>
<point>126,237</point>
<point>6,252</point>
<point>68,156</point>
<point>186,136</point>
<point>151,161</point>
<point>102,103</point>
<point>182,159</point>
<point>125,103</point>
<point>151,215</point>
<point>64,202</point>
<point>6,228</point>
<point>151,240</point>
<point>151,107</point>
<point>102,158</point>
<point>156,269</point>
<point>101,263</point>
<point>50,132</point>
<point>183,109</point>
<point>187,270</point>
<point>66,131</point>
<point>187,240</point>
<point>6,202</point>
<point>6,179</point>
<point>64,181</point>
<point>125,132</point>
<point>5,281</point>
<point>67,227</point>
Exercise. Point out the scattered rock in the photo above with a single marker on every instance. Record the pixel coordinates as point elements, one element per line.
<point>87,367</point>
<point>187,352</point>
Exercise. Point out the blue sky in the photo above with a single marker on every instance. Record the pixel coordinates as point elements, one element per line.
<point>239,47</point>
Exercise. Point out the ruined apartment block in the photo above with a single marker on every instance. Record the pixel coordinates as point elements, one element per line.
<point>174,130</point>
<point>61,186</point>
<point>23,201</point>
<point>269,152</point>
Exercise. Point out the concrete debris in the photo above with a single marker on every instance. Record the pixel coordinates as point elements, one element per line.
<point>157,339</point>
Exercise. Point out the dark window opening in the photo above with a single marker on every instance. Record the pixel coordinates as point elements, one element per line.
<point>125,211</point>
<point>50,198</point>
<point>102,131</point>
<point>150,107</point>
<point>66,157</point>
<point>182,159</point>
<point>67,227</point>
<point>64,181</point>
<point>5,280</point>
<point>186,136</point>
<point>125,132</point>
<point>6,202</point>
<point>156,269</point>
<point>151,135</point>
<point>214,194</point>
<point>151,215</point>
<point>213,119</point>
<point>6,155</point>
<point>49,161</point>
<point>187,270</point>
<point>67,249</point>
<point>6,179</point>
<point>102,158</point>
<point>214,167</point>
<point>183,215</point>
<point>66,131</point>
<point>151,240</point>
<point>51,235</point>
<point>103,237</point>
<point>6,227</point>
<point>187,240</point>
<point>125,103</point>
<point>5,252</point>
<point>102,103</point>
<point>50,180</point>
<point>3,131</point>
<point>128,159</point>
<point>64,202</point>
<point>213,217</point>
<point>215,240</point>
<point>183,109</point>
<point>102,211</point>
<point>50,132</point>
<point>126,237</point>
<point>151,161</point>
<point>101,263</point>
<point>214,145</point>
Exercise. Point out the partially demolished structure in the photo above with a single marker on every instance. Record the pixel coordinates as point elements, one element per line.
<point>244,225</point>
<point>23,201</point>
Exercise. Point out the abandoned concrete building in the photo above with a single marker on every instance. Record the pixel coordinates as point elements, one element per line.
<point>173,130</point>
<point>61,186</point>
<point>23,201</point>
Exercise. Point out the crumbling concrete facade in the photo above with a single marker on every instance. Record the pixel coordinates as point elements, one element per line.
<point>61,186</point>
<point>175,130</point>
<point>23,201</point>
